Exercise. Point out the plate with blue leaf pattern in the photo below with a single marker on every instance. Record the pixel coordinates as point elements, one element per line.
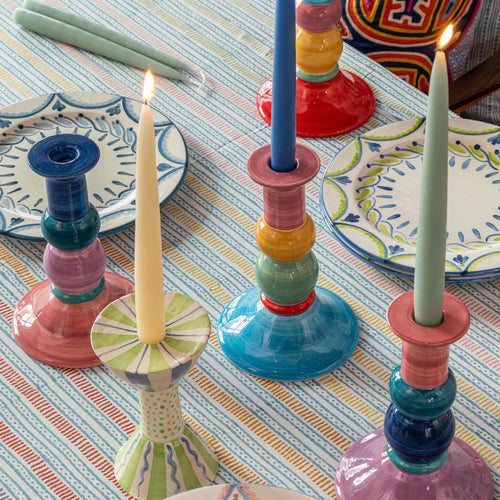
<point>240,492</point>
<point>370,195</point>
<point>111,121</point>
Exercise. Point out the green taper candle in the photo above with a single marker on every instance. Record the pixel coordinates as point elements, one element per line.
<point>431,236</point>
<point>97,29</point>
<point>82,39</point>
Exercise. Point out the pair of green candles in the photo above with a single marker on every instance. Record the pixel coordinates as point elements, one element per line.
<point>87,35</point>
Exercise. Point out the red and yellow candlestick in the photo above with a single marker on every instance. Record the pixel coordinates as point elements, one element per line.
<point>330,101</point>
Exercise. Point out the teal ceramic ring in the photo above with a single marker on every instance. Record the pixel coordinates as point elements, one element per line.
<point>422,404</point>
<point>80,298</point>
<point>325,77</point>
<point>71,235</point>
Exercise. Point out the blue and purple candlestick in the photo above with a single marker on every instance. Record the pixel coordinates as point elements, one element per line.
<point>416,456</point>
<point>52,322</point>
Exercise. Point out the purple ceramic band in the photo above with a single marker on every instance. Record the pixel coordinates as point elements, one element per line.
<point>318,18</point>
<point>78,272</point>
<point>285,210</point>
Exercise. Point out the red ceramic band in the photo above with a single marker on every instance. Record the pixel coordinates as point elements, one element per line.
<point>286,310</point>
<point>424,362</point>
<point>424,367</point>
<point>284,192</point>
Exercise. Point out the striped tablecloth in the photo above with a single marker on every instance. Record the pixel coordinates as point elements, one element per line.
<point>60,429</point>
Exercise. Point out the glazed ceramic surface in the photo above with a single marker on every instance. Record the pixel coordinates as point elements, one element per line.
<point>366,472</point>
<point>296,347</point>
<point>370,197</point>
<point>164,455</point>
<point>52,321</point>
<point>241,492</point>
<point>110,121</point>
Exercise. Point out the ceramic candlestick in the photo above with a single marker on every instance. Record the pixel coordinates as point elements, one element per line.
<point>164,455</point>
<point>330,101</point>
<point>52,321</point>
<point>416,455</point>
<point>287,328</point>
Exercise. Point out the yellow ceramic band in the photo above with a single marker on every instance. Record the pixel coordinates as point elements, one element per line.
<point>285,246</point>
<point>318,53</point>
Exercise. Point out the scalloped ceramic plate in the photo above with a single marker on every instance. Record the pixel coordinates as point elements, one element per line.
<point>111,121</point>
<point>369,198</point>
<point>240,492</point>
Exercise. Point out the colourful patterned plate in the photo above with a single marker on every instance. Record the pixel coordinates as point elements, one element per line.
<point>370,191</point>
<point>109,120</point>
<point>409,275</point>
<point>240,492</point>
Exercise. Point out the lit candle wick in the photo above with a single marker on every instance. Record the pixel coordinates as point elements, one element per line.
<point>149,86</point>
<point>445,37</point>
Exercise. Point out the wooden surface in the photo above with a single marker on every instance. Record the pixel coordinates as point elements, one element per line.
<point>476,84</point>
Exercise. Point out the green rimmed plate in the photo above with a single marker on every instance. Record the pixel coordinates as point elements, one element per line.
<point>369,198</point>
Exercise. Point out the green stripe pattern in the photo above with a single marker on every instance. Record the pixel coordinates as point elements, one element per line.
<point>157,366</point>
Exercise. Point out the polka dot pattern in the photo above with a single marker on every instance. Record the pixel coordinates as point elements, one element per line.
<point>161,415</point>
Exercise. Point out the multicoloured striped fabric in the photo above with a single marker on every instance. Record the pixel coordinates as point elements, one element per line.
<point>60,429</point>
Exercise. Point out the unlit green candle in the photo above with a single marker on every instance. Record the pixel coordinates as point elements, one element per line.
<point>82,39</point>
<point>103,32</point>
<point>431,236</point>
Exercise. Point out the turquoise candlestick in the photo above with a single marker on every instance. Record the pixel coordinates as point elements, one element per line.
<point>431,237</point>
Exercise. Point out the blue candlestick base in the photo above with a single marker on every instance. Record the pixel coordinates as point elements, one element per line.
<point>288,348</point>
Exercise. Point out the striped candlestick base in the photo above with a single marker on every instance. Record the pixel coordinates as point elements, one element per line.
<point>52,321</point>
<point>330,101</point>
<point>164,456</point>
<point>417,455</point>
<point>287,328</point>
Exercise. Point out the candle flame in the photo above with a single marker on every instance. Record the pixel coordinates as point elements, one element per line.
<point>445,37</point>
<point>149,86</point>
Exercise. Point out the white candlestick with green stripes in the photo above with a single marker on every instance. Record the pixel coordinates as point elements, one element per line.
<point>164,455</point>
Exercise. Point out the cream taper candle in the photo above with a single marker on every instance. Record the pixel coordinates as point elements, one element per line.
<point>150,308</point>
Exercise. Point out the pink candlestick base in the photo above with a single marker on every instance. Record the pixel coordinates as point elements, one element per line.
<point>366,472</point>
<point>325,109</point>
<point>58,333</point>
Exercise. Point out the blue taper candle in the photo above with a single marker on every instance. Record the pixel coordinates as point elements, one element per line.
<point>283,126</point>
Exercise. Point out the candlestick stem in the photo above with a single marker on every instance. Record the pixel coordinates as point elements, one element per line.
<point>161,415</point>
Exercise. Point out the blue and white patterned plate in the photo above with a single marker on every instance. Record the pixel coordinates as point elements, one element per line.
<point>111,121</point>
<point>370,195</point>
<point>240,492</point>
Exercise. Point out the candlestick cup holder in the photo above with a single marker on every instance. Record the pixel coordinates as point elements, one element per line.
<point>287,328</point>
<point>165,455</point>
<point>330,101</point>
<point>52,322</point>
<point>416,456</point>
